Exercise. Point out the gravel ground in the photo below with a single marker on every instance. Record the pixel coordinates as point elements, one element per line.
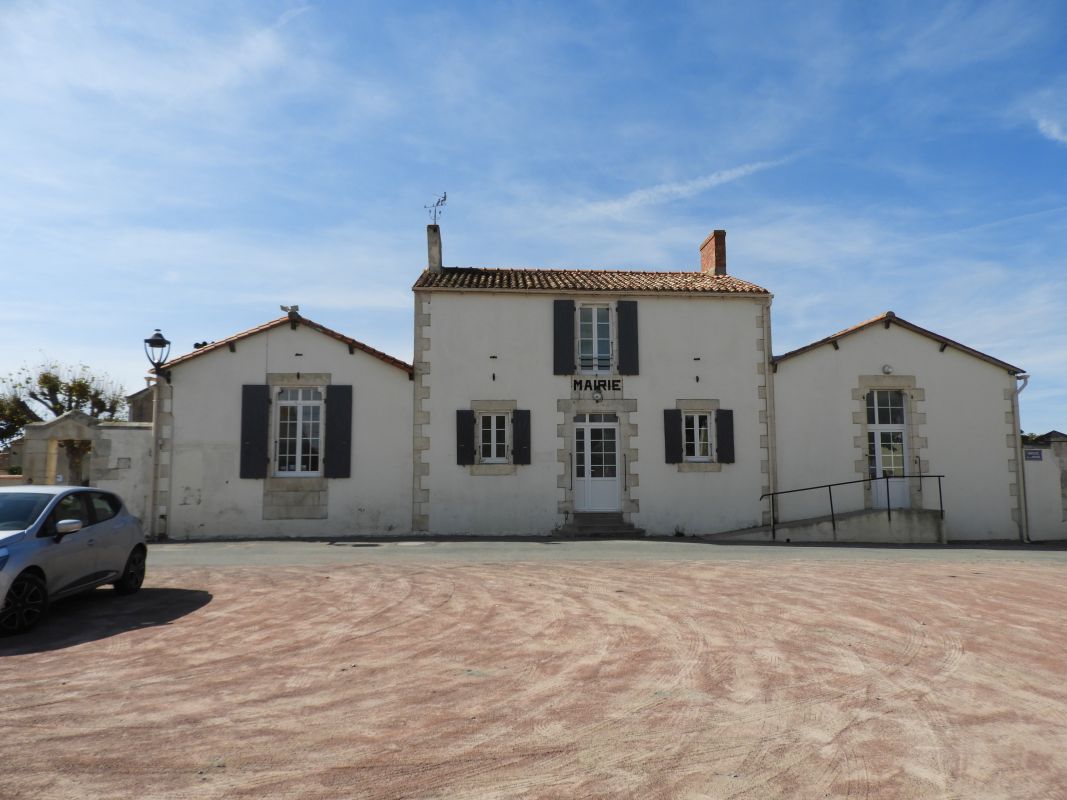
<point>582,669</point>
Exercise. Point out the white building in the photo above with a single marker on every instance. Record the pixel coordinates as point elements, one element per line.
<point>1045,467</point>
<point>597,400</point>
<point>287,429</point>
<point>887,399</point>
<point>544,395</point>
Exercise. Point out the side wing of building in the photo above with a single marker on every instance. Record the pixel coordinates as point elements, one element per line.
<point>291,431</point>
<point>885,401</point>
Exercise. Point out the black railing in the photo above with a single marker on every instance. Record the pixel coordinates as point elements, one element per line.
<point>594,362</point>
<point>870,481</point>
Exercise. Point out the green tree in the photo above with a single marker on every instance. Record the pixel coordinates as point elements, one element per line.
<point>37,394</point>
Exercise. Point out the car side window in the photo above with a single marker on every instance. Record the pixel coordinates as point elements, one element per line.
<point>70,507</point>
<point>105,506</point>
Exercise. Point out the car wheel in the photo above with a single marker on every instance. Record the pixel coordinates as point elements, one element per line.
<point>25,605</point>
<point>133,575</point>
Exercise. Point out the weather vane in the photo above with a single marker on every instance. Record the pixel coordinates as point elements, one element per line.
<point>438,207</point>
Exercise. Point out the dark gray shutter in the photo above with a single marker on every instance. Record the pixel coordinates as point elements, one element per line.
<point>563,337</point>
<point>627,314</point>
<point>464,437</point>
<point>338,461</point>
<point>724,436</point>
<point>672,435</point>
<point>255,430</point>
<point>520,433</point>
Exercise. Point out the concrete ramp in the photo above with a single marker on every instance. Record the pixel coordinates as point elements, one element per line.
<point>907,526</point>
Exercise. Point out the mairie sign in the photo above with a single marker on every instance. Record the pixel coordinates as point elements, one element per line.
<point>597,385</point>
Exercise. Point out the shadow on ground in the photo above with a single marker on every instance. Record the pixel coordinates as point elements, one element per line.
<point>102,613</point>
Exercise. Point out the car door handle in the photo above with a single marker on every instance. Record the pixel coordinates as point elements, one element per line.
<point>91,542</point>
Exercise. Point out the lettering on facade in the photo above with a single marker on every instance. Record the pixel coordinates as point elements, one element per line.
<point>597,385</point>
<point>1032,455</point>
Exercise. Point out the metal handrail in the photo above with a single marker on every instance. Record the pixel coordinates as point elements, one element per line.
<point>830,490</point>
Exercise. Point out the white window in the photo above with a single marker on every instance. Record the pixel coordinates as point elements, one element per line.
<point>299,442</point>
<point>696,437</point>
<point>885,407</point>
<point>493,438</point>
<point>594,339</point>
<point>885,434</point>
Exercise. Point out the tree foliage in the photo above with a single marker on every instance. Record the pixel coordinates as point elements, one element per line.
<point>36,394</point>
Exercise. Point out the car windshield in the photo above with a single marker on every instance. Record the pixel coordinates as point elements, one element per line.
<point>19,510</point>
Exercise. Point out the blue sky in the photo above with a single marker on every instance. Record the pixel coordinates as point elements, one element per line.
<point>191,166</point>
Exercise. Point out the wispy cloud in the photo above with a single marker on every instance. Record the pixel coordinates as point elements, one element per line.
<point>961,34</point>
<point>1052,129</point>
<point>640,199</point>
<point>1047,110</point>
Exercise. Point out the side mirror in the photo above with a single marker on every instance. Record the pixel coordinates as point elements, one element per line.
<point>65,526</point>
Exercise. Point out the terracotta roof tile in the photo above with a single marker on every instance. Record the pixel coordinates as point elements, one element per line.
<point>583,280</point>
<point>353,344</point>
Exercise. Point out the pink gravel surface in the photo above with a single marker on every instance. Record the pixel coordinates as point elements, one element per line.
<point>746,679</point>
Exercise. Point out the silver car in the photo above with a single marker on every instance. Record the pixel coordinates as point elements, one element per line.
<point>60,540</point>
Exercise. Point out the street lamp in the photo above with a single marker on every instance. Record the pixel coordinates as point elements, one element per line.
<point>157,348</point>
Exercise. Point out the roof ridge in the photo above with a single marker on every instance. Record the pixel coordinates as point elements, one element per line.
<point>532,279</point>
<point>891,318</point>
<point>274,323</point>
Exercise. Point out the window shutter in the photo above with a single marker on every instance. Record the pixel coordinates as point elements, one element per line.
<point>724,436</point>
<point>255,430</point>
<point>672,435</point>
<point>627,315</point>
<point>464,437</point>
<point>520,436</point>
<point>563,337</point>
<point>338,446</point>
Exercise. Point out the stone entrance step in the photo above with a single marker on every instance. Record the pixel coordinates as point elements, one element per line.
<point>600,523</point>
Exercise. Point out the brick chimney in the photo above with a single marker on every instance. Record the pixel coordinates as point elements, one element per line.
<point>713,253</point>
<point>433,247</point>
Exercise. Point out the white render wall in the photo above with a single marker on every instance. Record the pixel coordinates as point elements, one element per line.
<point>206,498</point>
<point>1046,493</point>
<point>961,407</point>
<point>462,330</point>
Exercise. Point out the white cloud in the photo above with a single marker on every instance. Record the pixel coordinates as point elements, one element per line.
<point>960,34</point>
<point>665,192</point>
<point>1046,108</point>
<point>1052,129</point>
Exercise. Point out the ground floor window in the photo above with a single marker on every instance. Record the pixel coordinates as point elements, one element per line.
<point>697,437</point>
<point>493,438</point>
<point>299,431</point>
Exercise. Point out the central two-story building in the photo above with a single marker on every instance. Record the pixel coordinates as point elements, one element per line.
<point>544,395</point>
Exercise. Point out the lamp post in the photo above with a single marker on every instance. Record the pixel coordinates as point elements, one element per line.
<point>156,349</point>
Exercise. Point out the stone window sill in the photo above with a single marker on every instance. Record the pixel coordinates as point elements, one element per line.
<point>493,469</point>
<point>700,466</point>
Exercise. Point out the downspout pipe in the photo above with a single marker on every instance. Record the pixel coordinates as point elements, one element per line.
<point>1024,518</point>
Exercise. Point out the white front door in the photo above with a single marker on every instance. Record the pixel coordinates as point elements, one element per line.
<point>596,465</point>
<point>887,455</point>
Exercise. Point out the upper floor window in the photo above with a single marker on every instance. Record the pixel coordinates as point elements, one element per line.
<point>594,338</point>
<point>299,441</point>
